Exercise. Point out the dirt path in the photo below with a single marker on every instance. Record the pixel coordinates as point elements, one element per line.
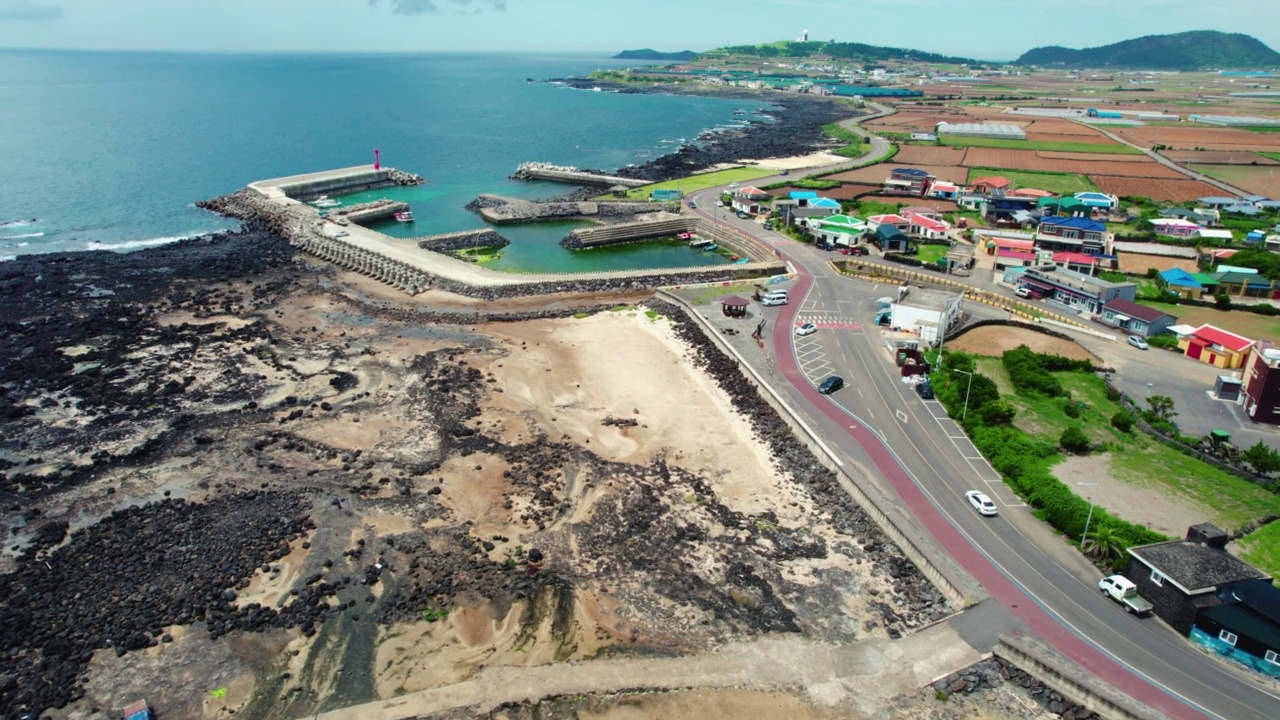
<point>869,674</point>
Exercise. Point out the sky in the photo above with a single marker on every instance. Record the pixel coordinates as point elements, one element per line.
<point>983,29</point>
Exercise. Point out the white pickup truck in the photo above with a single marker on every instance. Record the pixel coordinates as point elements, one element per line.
<point>1123,591</point>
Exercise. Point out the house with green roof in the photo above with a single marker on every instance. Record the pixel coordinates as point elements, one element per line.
<point>837,229</point>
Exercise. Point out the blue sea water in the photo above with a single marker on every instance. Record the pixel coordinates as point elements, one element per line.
<point>110,150</point>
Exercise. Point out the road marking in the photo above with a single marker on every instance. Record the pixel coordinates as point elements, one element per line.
<point>901,416</point>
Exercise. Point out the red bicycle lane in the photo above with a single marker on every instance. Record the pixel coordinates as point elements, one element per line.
<point>948,536</point>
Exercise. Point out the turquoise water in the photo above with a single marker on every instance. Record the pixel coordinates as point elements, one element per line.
<point>110,150</point>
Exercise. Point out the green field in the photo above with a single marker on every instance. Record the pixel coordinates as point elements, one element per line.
<point>1272,155</point>
<point>1113,149</point>
<point>1136,459</point>
<point>931,253</point>
<point>1060,183</point>
<point>692,183</point>
<point>1262,548</point>
<point>704,295</point>
<point>1240,322</point>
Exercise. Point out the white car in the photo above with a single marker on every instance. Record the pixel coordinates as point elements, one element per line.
<point>341,233</point>
<point>806,329</point>
<point>1138,342</point>
<point>981,503</point>
<point>733,184</point>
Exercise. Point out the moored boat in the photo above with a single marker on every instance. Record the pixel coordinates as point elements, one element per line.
<point>405,216</point>
<point>324,201</point>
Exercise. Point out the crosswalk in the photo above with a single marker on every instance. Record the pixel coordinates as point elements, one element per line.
<point>832,321</point>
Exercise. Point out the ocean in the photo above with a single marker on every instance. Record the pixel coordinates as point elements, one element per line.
<point>109,151</point>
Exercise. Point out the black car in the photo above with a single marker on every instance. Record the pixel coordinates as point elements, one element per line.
<point>831,384</point>
<point>925,390</point>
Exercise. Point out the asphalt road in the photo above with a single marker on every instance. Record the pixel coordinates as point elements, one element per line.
<point>911,448</point>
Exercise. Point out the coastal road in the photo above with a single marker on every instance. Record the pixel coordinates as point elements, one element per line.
<point>915,451</point>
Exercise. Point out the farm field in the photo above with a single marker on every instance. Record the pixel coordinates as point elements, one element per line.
<point>1190,138</point>
<point>1218,157</point>
<point>1061,184</point>
<point>1135,263</point>
<point>1071,144</point>
<point>1080,143</point>
<point>1260,180</point>
<point>1156,189</point>
<point>1032,161</point>
<point>1060,127</point>
<point>929,155</point>
<point>1088,157</point>
<point>1236,321</point>
<point>876,174</point>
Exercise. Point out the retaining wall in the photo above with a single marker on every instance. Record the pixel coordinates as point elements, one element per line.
<point>1072,682</point>
<point>740,243</point>
<point>582,178</point>
<point>952,582</point>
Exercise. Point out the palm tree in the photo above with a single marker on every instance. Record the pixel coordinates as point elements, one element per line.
<point>1104,545</point>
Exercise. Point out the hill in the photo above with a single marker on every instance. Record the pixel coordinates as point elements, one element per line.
<point>1196,50</point>
<point>840,50</point>
<point>647,54</point>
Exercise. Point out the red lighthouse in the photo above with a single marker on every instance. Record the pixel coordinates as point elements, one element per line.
<point>377,164</point>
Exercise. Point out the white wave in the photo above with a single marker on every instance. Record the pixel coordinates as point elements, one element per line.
<point>19,237</point>
<point>7,258</point>
<point>135,244</point>
<point>19,223</point>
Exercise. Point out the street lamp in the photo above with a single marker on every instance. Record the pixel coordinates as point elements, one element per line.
<point>969,387</point>
<point>1089,519</point>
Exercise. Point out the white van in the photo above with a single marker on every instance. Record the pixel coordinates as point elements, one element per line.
<point>771,300</point>
<point>781,292</point>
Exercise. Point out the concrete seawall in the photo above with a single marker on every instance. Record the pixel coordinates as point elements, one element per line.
<point>352,179</point>
<point>556,173</point>
<point>623,233</point>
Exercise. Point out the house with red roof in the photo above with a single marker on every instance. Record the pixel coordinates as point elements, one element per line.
<point>1080,262</point>
<point>985,185</point>
<point>1216,346</point>
<point>747,200</point>
<point>925,225</point>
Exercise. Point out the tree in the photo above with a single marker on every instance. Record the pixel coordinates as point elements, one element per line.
<point>1104,544</point>
<point>1222,301</point>
<point>997,412</point>
<point>1122,421</point>
<point>1262,458</point>
<point>1161,406</point>
<point>1074,440</point>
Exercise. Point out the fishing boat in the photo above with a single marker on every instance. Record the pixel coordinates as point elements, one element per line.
<point>324,201</point>
<point>405,216</point>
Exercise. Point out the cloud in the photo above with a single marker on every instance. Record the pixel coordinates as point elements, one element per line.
<point>28,10</point>
<point>419,7</point>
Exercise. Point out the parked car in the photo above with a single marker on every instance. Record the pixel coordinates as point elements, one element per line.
<point>719,203</point>
<point>1138,342</point>
<point>981,503</point>
<point>806,329</point>
<point>1122,590</point>
<point>341,233</point>
<point>925,390</point>
<point>772,300</point>
<point>768,224</point>
<point>831,384</point>
<point>693,205</point>
<point>733,184</point>
<point>742,215</point>
<point>784,171</point>
<point>855,250</point>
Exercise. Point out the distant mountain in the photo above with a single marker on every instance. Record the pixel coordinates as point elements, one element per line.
<point>647,54</point>
<point>839,50</point>
<point>1196,50</point>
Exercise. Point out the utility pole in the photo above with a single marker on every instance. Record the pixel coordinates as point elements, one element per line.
<point>969,387</point>
<point>1089,519</point>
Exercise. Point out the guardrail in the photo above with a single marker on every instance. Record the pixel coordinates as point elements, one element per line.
<point>1071,681</point>
<point>947,577</point>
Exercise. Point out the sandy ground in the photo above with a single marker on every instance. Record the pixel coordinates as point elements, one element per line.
<point>995,340</point>
<point>1148,505</point>
<point>817,159</point>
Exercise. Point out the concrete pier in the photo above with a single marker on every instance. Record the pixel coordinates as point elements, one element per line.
<point>570,174</point>
<point>352,179</point>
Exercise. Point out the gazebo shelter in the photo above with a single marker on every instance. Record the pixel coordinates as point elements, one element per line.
<point>619,191</point>
<point>735,306</point>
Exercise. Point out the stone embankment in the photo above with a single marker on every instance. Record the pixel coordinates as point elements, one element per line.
<point>989,674</point>
<point>371,211</point>
<point>387,177</point>
<point>570,174</point>
<point>502,210</point>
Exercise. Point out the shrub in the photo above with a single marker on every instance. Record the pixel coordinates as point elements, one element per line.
<point>1122,421</point>
<point>1028,371</point>
<point>1163,342</point>
<point>1222,302</point>
<point>1071,410</point>
<point>1074,440</point>
<point>997,412</point>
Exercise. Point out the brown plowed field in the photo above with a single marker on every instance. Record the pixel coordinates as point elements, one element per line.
<point>1092,157</point>
<point>1030,160</point>
<point>928,155</point>
<point>1058,127</point>
<point>1135,263</point>
<point>879,173</point>
<point>1058,137</point>
<point>1171,190</point>
<point>1189,138</point>
<point>1217,157</point>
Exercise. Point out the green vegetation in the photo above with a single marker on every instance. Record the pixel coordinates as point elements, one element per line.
<point>1111,149</point>
<point>837,50</point>
<point>854,141</point>
<point>1196,50</point>
<point>693,183</point>
<point>704,295</point>
<point>930,254</point>
<point>1059,183</point>
<point>483,254</point>
<point>649,54</point>
<point>1247,324</point>
<point>867,207</point>
<point>1261,548</point>
<point>1271,155</point>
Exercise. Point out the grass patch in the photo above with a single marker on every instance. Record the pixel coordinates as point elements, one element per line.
<point>1261,548</point>
<point>1059,183</point>
<point>1111,148</point>
<point>1240,322</point>
<point>693,183</point>
<point>853,141</point>
<point>1272,155</point>
<point>704,295</point>
<point>931,253</point>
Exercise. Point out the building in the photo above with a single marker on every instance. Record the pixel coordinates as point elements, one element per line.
<point>985,185</point>
<point>1181,577</point>
<point>1073,234</point>
<point>1185,284</point>
<point>1032,192</point>
<point>1260,383</point>
<point>924,137</point>
<point>1242,282</point>
<point>1079,262</point>
<point>944,190</point>
<point>1215,346</point>
<point>908,181</point>
<point>1245,627</point>
<point>1200,216</point>
<point>925,225</point>
<point>926,313</point>
<point>1080,293</point>
<point>875,221</point>
<point>982,130</point>
<point>1004,209</point>
<point>1174,227</point>
<point>868,91</point>
<point>1063,207</point>
<point>1136,319</point>
<point>748,200</point>
<point>665,195</point>
<point>1215,234</point>
<point>1099,201</point>
<point>837,229</point>
<point>890,239</point>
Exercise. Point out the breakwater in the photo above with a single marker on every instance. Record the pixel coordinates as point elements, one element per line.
<point>374,211</point>
<point>623,233</point>
<point>503,210</point>
<point>570,174</point>
<point>345,180</point>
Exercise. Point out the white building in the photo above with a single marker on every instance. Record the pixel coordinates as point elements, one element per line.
<point>927,313</point>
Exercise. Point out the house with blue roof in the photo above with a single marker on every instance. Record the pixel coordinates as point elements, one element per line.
<point>1073,234</point>
<point>911,181</point>
<point>802,195</point>
<point>1183,283</point>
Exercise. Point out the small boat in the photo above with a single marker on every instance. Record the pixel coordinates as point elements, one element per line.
<point>324,201</point>
<point>404,217</point>
<point>711,247</point>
